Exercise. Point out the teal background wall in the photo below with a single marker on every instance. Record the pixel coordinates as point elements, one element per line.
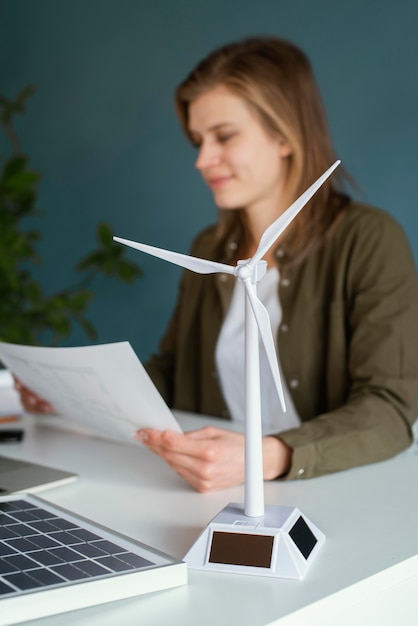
<point>101,127</point>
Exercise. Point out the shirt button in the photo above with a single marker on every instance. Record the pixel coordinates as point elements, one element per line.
<point>280,253</point>
<point>285,282</point>
<point>301,471</point>
<point>232,245</point>
<point>284,328</point>
<point>294,383</point>
<point>222,278</point>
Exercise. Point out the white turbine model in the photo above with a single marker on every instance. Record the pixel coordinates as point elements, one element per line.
<point>250,272</point>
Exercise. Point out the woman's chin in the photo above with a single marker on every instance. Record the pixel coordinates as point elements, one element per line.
<point>227,203</point>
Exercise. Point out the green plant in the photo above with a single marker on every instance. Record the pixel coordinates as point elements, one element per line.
<point>27,314</point>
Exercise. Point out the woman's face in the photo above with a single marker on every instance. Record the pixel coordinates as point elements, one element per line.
<point>243,164</point>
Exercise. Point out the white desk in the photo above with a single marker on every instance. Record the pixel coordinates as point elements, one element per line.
<point>369,515</point>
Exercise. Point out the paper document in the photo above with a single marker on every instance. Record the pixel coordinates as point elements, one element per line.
<point>103,388</point>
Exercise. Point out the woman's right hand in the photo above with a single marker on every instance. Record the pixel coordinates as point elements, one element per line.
<point>32,403</point>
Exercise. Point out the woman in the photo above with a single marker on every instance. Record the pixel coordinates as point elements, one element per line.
<point>341,287</point>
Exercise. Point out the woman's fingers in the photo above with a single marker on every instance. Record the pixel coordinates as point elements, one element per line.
<point>208,459</point>
<point>31,401</point>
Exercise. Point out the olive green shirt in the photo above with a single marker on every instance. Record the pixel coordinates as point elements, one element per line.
<point>348,342</point>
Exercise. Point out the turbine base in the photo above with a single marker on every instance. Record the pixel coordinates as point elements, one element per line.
<point>282,544</point>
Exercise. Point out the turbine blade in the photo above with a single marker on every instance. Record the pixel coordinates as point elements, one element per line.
<point>275,229</point>
<point>263,322</point>
<point>195,264</point>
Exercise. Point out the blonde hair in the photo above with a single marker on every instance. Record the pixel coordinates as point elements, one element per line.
<point>275,78</point>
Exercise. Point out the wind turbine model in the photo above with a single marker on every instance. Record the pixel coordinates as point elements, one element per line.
<point>248,541</point>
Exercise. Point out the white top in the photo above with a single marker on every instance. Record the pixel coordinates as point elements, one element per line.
<point>230,362</point>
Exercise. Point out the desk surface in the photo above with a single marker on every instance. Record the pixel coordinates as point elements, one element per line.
<point>369,516</point>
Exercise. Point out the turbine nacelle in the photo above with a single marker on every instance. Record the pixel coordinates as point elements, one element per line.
<point>246,271</point>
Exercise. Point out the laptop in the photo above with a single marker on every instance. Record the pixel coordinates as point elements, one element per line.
<point>18,476</point>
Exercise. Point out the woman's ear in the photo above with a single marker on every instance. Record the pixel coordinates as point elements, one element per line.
<point>285,148</point>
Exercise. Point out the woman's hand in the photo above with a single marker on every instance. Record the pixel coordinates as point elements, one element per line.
<point>213,458</point>
<point>31,401</point>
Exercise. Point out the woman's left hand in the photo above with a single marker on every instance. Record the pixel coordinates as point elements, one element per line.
<point>30,401</point>
<point>212,458</point>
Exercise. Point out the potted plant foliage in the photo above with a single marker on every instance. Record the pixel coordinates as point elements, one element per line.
<point>27,314</point>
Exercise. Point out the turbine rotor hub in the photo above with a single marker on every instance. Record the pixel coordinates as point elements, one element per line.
<point>245,271</point>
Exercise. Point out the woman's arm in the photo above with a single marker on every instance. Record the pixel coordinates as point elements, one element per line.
<point>373,356</point>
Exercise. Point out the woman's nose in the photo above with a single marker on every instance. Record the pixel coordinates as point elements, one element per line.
<point>207,157</point>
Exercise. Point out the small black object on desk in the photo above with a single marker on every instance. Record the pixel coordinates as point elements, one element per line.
<point>11,435</point>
